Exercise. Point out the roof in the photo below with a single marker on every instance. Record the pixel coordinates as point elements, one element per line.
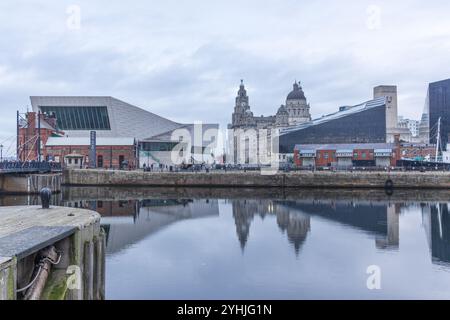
<point>191,128</point>
<point>125,119</point>
<point>337,115</point>
<point>297,93</point>
<point>85,141</point>
<point>346,146</point>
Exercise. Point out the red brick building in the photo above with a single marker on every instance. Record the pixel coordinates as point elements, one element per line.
<point>347,155</point>
<point>28,130</point>
<point>111,153</point>
<point>70,151</point>
<point>417,151</point>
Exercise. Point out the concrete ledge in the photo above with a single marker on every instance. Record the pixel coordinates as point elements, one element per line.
<point>24,230</point>
<point>318,179</point>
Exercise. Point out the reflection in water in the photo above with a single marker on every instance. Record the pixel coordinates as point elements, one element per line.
<point>320,234</point>
<point>129,221</point>
<point>436,221</point>
<point>294,222</point>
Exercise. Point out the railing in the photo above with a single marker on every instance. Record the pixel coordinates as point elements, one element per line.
<point>29,167</point>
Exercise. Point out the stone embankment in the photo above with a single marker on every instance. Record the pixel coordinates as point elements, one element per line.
<point>302,179</point>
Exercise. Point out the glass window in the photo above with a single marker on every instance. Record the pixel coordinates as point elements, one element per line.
<point>80,118</point>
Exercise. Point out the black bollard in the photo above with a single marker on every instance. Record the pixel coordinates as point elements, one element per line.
<point>46,195</point>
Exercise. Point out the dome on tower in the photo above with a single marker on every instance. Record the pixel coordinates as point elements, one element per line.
<point>297,93</point>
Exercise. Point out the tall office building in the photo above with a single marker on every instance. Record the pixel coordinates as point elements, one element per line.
<point>438,104</point>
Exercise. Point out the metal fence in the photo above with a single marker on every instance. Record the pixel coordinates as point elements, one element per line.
<point>29,167</point>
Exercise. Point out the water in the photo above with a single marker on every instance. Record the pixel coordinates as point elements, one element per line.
<point>270,244</point>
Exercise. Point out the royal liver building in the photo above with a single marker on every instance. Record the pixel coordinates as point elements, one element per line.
<point>252,136</point>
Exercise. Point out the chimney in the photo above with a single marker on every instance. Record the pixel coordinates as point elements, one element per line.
<point>31,119</point>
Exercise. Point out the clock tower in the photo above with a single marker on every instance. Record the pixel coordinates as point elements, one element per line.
<point>241,108</point>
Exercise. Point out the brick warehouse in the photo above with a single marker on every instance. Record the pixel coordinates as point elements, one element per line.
<point>29,127</point>
<point>347,155</point>
<point>360,154</point>
<point>70,151</point>
<point>111,152</point>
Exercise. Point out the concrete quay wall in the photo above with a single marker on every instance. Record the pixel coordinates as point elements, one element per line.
<point>30,183</point>
<point>302,179</point>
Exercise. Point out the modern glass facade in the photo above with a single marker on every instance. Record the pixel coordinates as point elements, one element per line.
<point>157,146</point>
<point>368,126</point>
<point>79,118</point>
<point>168,146</point>
<point>439,106</point>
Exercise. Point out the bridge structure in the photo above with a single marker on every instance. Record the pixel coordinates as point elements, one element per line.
<point>29,177</point>
<point>17,167</point>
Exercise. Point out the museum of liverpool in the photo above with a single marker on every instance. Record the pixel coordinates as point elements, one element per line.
<point>126,135</point>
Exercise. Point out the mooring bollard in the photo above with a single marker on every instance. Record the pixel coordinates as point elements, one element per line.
<point>46,195</point>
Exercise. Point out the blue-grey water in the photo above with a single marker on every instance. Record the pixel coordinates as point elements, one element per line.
<point>245,246</point>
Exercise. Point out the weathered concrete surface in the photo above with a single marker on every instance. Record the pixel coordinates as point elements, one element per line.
<point>29,183</point>
<point>318,179</point>
<point>8,278</point>
<point>85,224</point>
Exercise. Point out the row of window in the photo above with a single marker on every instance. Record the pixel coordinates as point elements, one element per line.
<point>99,160</point>
<point>332,155</point>
<point>169,146</point>
<point>79,118</point>
<point>158,146</point>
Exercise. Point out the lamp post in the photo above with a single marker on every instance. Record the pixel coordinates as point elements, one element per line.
<point>1,152</point>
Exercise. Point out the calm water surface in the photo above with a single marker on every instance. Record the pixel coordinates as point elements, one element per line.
<point>233,245</point>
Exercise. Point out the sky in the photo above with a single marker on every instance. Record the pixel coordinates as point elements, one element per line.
<point>184,59</point>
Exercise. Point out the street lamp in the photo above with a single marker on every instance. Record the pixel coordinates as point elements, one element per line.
<point>1,152</point>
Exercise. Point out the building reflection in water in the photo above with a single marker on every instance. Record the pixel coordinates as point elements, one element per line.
<point>129,221</point>
<point>295,224</point>
<point>436,222</point>
<point>294,218</point>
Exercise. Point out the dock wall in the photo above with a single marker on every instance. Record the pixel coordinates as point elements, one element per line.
<point>302,179</point>
<point>29,183</point>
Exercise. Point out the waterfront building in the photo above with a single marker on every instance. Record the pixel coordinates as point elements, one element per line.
<point>345,156</point>
<point>437,106</point>
<point>363,123</point>
<point>33,132</point>
<point>392,121</point>
<point>110,152</point>
<point>124,132</point>
<point>252,135</point>
<point>411,125</point>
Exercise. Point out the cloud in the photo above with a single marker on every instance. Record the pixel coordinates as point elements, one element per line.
<point>184,59</point>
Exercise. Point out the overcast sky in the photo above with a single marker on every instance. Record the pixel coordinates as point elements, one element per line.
<point>184,59</point>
